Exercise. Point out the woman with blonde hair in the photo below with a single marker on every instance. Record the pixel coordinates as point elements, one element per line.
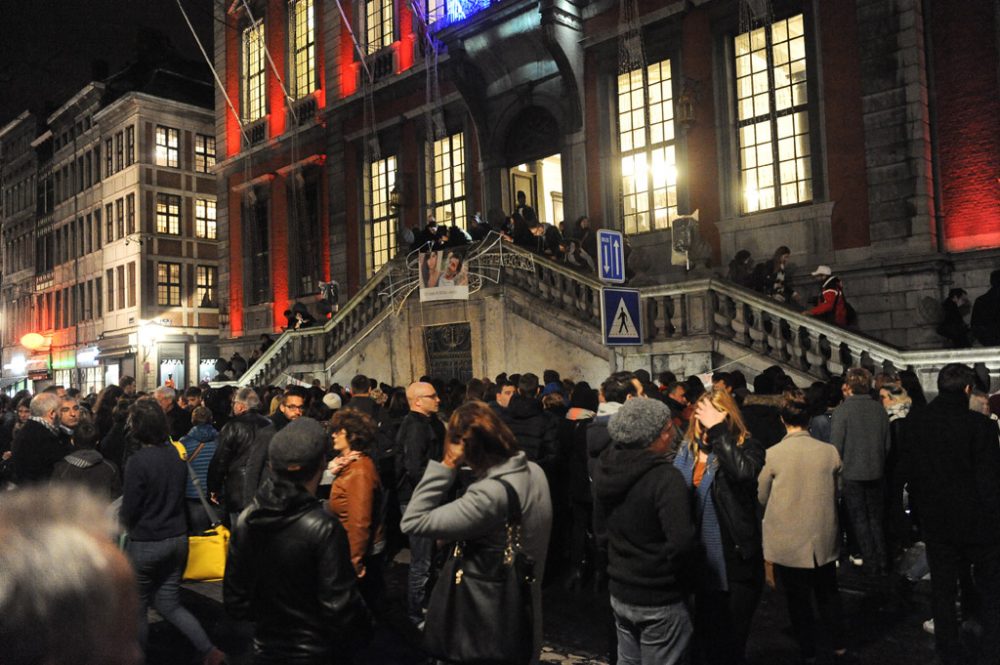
<point>720,464</point>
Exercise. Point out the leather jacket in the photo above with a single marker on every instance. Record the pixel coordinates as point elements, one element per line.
<point>289,571</point>
<point>734,492</point>
<point>234,461</point>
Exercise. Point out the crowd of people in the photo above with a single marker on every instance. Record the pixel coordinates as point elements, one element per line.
<point>677,498</point>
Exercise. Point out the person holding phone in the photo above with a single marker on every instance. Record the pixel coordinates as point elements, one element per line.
<point>720,464</point>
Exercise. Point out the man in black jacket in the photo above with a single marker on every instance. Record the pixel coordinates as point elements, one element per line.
<point>229,474</point>
<point>951,461</point>
<point>361,398</point>
<point>179,419</point>
<point>289,568</point>
<point>37,446</point>
<point>643,517</point>
<point>420,438</point>
<point>536,430</point>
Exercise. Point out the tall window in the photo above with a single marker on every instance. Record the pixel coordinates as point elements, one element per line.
<point>205,286</point>
<point>253,72</point>
<point>109,219</point>
<point>167,146</point>
<point>119,151</point>
<point>303,41</point>
<point>120,274</point>
<point>204,153</point>
<point>168,214</point>
<point>378,24</point>
<point>436,10</point>
<point>773,116</point>
<point>168,283</point>
<point>449,180</point>
<point>130,214</point>
<point>120,218</point>
<point>131,284</point>
<point>129,145</point>
<point>381,240</point>
<point>305,236</point>
<point>646,142</point>
<point>204,219</point>
<point>109,164</point>
<point>110,280</point>
<point>258,247</point>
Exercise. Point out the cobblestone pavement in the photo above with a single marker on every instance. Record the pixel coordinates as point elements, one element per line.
<point>883,626</point>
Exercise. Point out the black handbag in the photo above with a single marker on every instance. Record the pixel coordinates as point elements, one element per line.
<point>480,610</point>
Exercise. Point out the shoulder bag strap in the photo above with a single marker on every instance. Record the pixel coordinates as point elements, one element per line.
<point>212,515</point>
<point>513,504</point>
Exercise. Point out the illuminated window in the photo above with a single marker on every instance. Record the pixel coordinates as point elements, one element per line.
<point>253,72</point>
<point>449,180</point>
<point>303,27</point>
<point>167,146</point>
<point>205,286</point>
<point>204,153</point>
<point>381,241</point>
<point>168,214</point>
<point>204,219</point>
<point>773,116</point>
<point>436,10</point>
<point>168,283</point>
<point>378,24</point>
<point>646,145</point>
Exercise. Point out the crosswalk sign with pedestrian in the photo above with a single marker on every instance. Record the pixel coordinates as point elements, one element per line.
<point>621,322</point>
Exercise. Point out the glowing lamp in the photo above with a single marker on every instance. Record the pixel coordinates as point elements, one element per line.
<point>33,341</point>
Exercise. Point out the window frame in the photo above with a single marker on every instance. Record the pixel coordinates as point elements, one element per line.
<point>302,54</point>
<point>167,223</point>
<point>446,176</point>
<point>204,159</point>
<point>167,146</point>
<point>206,286</point>
<point>168,291</point>
<point>373,14</point>
<point>253,82</point>
<point>379,218</point>
<point>129,145</point>
<point>206,224</point>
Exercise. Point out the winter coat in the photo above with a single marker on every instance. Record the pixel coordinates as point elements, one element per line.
<point>481,513</point>
<point>35,451</point>
<point>760,415</point>
<point>798,489</point>
<point>289,571</point>
<point>421,439</point>
<point>985,321</point>
<point>535,429</point>
<point>234,470</point>
<point>355,498</point>
<point>950,457</point>
<point>88,468</point>
<point>642,516</point>
<point>200,434</point>
<point>860,432</point>
<point>832,306</point>
<point>573,437</point>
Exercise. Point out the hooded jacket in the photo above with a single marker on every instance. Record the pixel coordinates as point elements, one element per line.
<point>642,516</point>
<point>200,434</point>
<point>289,571</point>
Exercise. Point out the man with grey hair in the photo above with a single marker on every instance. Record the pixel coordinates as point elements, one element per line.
<point>245,399</point>
<point>233,475</point>
<point>179,419</point>
<point>68,595</point>
<point>37,446</point>
<point>69,418</point>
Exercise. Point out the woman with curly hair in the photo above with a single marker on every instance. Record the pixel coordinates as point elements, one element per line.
<point>356,497</point>
<point>720,463</point>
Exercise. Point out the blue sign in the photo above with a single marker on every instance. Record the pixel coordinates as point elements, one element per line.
<point>455,11</point>
<point>621,320</point>
<point>610,256</point>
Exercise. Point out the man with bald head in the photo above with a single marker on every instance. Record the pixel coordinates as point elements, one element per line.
<point>421,439</point>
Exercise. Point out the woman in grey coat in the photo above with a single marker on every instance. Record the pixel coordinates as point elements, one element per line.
<point>477,438</point>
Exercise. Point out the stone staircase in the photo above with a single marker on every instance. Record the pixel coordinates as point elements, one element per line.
<point>707,317</point>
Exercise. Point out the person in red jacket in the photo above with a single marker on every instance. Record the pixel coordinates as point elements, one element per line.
<point>832,306</point>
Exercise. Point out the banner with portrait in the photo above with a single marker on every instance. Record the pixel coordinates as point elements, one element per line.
<point>444,275</point>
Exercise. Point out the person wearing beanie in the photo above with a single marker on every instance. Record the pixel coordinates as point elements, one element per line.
<point>289,568</point>
<point>643,520</point>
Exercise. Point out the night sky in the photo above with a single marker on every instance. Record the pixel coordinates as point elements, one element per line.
<point>47,46</point>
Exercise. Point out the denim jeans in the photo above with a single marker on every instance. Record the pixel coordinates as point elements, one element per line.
<point>865,501</point>
<point>159,565</point>
<point>652,635</point>
<point>421,554</point>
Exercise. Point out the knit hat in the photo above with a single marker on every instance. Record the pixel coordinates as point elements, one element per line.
<point>638,422</point>
<point>300,444</point>
<point>332,401</point>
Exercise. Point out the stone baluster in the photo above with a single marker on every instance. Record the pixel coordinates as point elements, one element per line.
<point>798,344</point>
<point>757,329</point>
<point>741,323</point>
<point>722,313</point>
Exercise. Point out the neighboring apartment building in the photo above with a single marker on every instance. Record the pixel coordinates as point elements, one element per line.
<point>122,247</point>
<point>862,134</point>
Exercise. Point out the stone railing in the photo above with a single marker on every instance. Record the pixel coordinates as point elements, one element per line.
<point>314,345</point>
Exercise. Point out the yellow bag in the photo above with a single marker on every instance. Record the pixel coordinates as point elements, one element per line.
<point>207,555</point>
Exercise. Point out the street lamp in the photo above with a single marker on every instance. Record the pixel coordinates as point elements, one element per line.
<point>34,342</point>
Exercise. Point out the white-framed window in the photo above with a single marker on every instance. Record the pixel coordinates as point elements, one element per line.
<point>205,278</point>
<point>381,239</point>
<point>448,173</point>
<point>302,25</point>
<point>168,214</point>
<point>168,283</point>
<point>646,145</point>
<point>168,146</point>
<point>204,153</point>
<point>436,10</point>
<point>379,24</point>
<point>772,116</point>
<point>254,73</point>
<point>204,219</point>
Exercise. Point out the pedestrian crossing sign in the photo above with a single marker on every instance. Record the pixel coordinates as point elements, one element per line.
<point>621,320</point>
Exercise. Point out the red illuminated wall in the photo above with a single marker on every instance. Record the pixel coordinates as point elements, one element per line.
<point>967,108</point>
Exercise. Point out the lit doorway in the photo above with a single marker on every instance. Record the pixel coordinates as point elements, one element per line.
<point>541,182</point>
